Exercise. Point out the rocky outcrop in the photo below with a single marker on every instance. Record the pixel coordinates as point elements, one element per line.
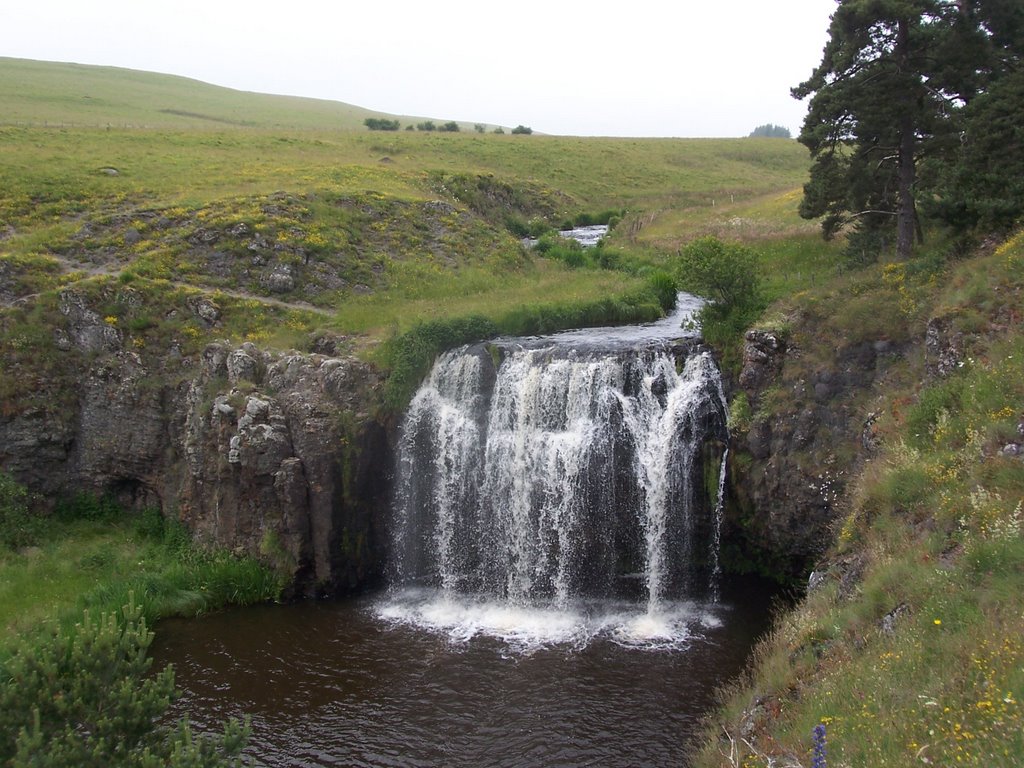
<point>276,455</point>
<point>943,347</point>
<point>792,457</point>
<point>763,355</point>
<point>283,458</point>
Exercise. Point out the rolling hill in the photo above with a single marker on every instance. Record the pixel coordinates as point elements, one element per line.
<point>49,92</point>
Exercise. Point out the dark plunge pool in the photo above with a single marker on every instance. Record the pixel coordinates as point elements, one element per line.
<point>374,683</point>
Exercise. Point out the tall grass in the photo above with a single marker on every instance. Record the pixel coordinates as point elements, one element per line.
<point>911,651</point>
<point>409,355</point>
<point>97,563</point>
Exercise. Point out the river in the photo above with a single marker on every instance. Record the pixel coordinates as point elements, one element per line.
<point>337,684</point>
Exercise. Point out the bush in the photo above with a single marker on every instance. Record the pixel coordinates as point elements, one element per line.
<point>381,124</point>
<point>411,354</point>
<point>640,307</point>
<point>590,219</point>
<point>84,697</point>
<point>725,273</point>
<point>565,250</point>
<point>88,506</point>
<point>426,125</point>
<point>18,526</point>
<point>450,127</point>
<point>664,288</point>
<point>522,130</point>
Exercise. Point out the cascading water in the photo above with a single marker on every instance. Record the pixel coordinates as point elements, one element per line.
<point>561,485</point>
<point>558,502</point>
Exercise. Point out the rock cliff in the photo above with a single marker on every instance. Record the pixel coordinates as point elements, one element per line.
<point>809,424</point>
<point>277,455</point>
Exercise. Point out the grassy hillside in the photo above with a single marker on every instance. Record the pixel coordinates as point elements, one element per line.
<point>370,231</point>
<point>908,647</point>
<point>287,221</point>
<point>284,225</point>
<point>38,92</point>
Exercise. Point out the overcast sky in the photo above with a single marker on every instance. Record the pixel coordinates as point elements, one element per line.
<point>628,68</point>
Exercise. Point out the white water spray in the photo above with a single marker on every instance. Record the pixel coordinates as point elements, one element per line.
<point>546,478</point>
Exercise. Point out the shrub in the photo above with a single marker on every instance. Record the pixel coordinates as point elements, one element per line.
<point>664,288</point>
<point>590,219</point>
<point>480,128</point>
<point>725,273</point>
<point>87,506</point>
<point>84,697</point>
<point>522,130</point>
<point>426,125</point>
<point>569,252</point>
<point>381,124</point>
<point>450,127</point>
<point>411,354</point>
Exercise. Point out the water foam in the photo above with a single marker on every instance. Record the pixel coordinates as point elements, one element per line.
<point>533,627</point>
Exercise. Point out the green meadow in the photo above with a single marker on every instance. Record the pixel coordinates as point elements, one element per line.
<point>381,229</point>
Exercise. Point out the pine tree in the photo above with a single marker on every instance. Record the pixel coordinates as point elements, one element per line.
<point>981,184</point>
<point>914,97</point>
<point>81,698</point>
<point>877,104</point>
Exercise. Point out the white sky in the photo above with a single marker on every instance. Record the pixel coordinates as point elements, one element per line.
<point>628,68</point>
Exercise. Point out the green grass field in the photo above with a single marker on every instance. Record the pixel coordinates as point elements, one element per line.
<point>35,93</point>
<point>379,230</point>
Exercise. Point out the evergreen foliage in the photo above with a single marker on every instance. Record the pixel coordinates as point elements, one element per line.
<point>522,130</point>
<point>770,131</point>
<point>984,188</point>
<point>84,697</point>
<point>381,124</point>
<point>450,127</point>
<point>894,92</point>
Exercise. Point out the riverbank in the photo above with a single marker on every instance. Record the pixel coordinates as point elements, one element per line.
<point>97,564</point>
<point>907,648</point>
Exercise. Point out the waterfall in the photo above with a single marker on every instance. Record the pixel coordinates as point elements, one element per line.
<point>549,475</point>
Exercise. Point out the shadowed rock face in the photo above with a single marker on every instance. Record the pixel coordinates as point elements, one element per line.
<point>273,455</point>
<point>282,458</point>
<point>810,426</point>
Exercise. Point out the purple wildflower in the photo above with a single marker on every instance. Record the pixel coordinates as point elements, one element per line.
<point>819,747</point>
